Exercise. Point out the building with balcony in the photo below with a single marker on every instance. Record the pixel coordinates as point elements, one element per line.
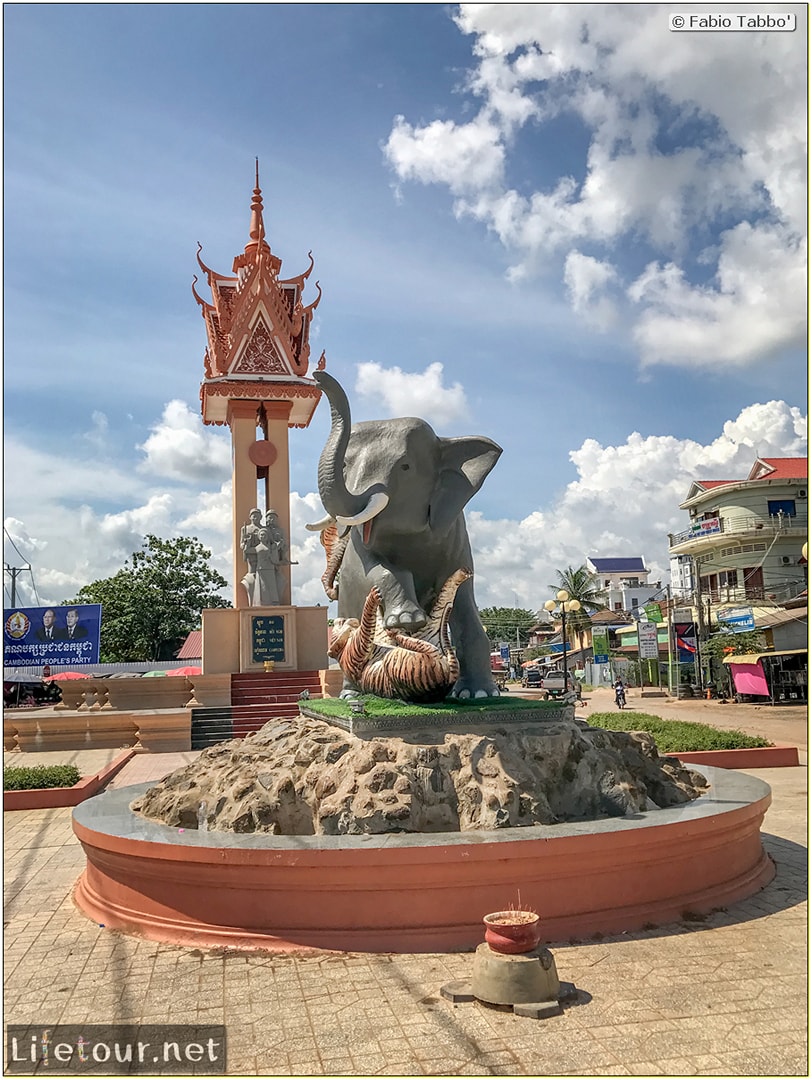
<point>623,582</point>
<point>744,540</point>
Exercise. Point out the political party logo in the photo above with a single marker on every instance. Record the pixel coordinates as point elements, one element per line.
<point>17,625</point>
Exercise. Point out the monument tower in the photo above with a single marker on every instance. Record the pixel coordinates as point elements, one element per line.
<point>256,364</point>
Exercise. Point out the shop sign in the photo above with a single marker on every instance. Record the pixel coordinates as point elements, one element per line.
<point>647,641</point>
<point>736,620</point>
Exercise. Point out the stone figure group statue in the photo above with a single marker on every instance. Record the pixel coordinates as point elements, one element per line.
<point>265,551</point>
<point>394,493</point>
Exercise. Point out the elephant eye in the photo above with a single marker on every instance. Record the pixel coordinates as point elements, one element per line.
<point>404,465</point>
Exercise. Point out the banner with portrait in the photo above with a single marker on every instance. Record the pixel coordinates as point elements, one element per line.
<point>67,636</point>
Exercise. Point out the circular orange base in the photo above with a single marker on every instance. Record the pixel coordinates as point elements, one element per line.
<point>419,893</point>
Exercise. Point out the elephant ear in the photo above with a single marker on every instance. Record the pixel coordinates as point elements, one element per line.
<point>464,464</point>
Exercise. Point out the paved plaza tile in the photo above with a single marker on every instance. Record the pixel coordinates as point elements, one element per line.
<point>723,995</point>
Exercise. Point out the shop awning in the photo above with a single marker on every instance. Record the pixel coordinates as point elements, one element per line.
<point>751,658</point>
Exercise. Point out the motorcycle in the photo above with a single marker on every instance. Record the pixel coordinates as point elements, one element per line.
<point>620,697</point>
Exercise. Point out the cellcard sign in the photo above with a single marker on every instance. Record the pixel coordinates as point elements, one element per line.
<point>34,637</point>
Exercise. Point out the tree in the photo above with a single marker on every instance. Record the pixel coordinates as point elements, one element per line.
<point>155,600</point>
<point>582,586</point>
<point>502,623</point>
<point>723,643</point>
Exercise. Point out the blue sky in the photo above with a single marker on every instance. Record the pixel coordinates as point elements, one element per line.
<point>564,227</point>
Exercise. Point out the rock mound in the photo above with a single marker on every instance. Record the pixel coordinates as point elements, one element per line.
<point>300,776</point>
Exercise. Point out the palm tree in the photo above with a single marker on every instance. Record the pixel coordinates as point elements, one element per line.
<point>582,586</point>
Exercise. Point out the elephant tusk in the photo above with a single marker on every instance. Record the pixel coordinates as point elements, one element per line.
<point>377,502</point>
<point>320,526</point>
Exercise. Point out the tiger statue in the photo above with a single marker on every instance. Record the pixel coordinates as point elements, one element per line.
<point>334,546</point>
<point>391,664</point>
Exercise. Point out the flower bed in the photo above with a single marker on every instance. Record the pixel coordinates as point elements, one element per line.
<point>44,798</point>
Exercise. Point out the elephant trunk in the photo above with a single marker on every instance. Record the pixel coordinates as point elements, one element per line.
<point>347,507</point>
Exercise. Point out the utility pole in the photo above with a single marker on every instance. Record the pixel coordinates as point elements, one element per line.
<point>13,572</point>
<point>700,637</point>
<point>670,628</point>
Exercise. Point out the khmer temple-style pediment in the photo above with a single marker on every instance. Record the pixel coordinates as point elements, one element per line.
<point>257,327</point>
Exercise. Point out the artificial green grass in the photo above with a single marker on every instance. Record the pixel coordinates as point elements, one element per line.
<point>676,736</point>
<point>671,736</point>
<point>376,706</point>
<point>36,777</point>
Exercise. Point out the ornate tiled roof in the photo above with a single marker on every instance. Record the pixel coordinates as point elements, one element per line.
<point>257,326</point>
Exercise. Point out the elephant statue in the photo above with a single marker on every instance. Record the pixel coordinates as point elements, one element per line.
<point>395,492</point>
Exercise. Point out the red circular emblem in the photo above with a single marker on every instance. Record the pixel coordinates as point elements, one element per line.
<point>263,453</point>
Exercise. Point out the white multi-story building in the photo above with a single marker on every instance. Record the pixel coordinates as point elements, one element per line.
<point>623,582</point>
<point>745,536</point>
<point>682,575</point>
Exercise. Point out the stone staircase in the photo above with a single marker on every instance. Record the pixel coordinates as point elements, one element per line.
<point>256,698</point>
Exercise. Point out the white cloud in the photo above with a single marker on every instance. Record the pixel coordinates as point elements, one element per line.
<point>405,393</point>
<point>211,512</point>
<point>587,280</point>
<point>181,448</point>
<point>97,435</point>
<point>732,320</point>
<point>462,156</point>
<point>688,132</point>
<point>17,537</point>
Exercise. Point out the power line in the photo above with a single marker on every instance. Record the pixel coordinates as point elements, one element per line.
<point>8,537</point>
<point>15,570</point>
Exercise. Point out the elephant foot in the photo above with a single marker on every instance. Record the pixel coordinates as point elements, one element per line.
<point>349,695</point>
<point>411,618</point>
<point>464,693</point>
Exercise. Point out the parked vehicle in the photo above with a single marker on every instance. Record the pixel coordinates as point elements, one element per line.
<point>553,685</point>
<point>531,676</point>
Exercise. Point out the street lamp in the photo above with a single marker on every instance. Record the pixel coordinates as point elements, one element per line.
<point>564,603</point>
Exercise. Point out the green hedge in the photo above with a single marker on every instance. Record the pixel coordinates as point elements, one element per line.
<point>22,778</point>
<point>676,736</point>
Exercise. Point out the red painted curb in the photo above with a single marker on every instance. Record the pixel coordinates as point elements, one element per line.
<point>409,896</point>
<point>751,757</point>
<point>50,798</point>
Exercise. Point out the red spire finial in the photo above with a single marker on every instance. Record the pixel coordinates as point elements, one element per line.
<point>257,230</point>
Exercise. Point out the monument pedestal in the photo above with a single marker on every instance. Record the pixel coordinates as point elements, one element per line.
<point>243,639</point>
